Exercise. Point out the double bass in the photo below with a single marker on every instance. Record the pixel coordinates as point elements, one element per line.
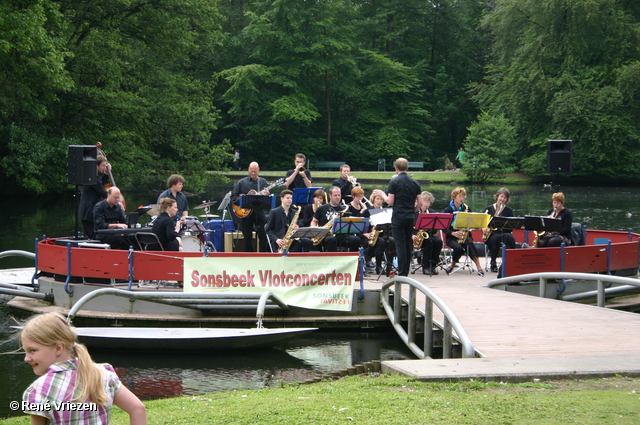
<point>112,181</point>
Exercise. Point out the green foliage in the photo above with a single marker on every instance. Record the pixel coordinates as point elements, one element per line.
<point>489,148</point>
<point>567,69</point>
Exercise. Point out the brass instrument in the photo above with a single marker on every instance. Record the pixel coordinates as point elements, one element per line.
<point>300,169</point>
<point>497,213</point>
<point>328,225</point>
<point>287,237</point>
<point>542,233</point>
<point>422,236</point>
<point>354,181</point>
<point>465,233</point>
<point>375,233</point>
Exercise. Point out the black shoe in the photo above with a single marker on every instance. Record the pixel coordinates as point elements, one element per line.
<point>448,270</point>
<point>480,273</point>
<point>426,271</point>
<point>494,269</point>
<point>434,270</point>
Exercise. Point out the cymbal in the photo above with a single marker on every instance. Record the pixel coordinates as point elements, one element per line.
<point>205,204</point>
<point>209,216</point>
<point>155,210</point>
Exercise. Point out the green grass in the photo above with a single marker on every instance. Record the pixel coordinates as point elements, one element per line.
<point>392,399</point>
<point>435,177</point>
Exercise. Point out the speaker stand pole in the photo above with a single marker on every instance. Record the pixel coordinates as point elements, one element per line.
<point>76,195</point>
<point>556,185</point>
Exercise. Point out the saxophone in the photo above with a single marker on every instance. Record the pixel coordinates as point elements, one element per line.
<point>329,225</point>
<point>497,213</point>
<point>541,234</point>
<point>465,233</point>
<point>375,233</point>
<point>287,237</point>
<point>422,235</point>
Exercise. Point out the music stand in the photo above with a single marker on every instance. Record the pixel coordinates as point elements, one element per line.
<point>432,221</point>
<point>542,224</point>
<point>467,221</point>
<point>310,232</point>
<point>506,223</point>
<point>351,225</point>
<point>304,195</point>
<point>257,201</point>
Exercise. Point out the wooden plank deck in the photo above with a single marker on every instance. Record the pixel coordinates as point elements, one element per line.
<point>506,324</point>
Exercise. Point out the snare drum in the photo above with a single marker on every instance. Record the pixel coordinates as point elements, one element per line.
<point>192,244</point>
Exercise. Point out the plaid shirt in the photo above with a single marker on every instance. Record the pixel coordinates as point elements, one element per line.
<point>59,385</point>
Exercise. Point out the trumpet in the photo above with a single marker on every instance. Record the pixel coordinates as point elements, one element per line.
<point>300,169</point>
<point>354,181</point>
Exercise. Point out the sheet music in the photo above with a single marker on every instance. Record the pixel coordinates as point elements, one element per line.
<point>380,216</point>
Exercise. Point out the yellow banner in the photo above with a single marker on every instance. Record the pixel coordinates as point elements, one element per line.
<point>309,281</point>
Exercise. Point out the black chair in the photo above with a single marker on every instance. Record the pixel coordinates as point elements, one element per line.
<point>149,241</point>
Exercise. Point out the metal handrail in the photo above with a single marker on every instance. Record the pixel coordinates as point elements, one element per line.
<point>601,279</point>
<point>408,336</point>
<point>159,297</point>
<point>18,253</point>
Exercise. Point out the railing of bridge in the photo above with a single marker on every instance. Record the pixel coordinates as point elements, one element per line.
<point>602,280</point>
<point>417,318</point>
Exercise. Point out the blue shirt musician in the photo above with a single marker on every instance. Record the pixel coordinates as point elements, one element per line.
<point>251,220</point>
<point>175,183</point>
<point>495,238</point>
<point>427,240</point>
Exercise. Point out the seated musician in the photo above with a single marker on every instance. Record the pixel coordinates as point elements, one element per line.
<point>430,243</point>
<point>325,215</point>
<point>165,228</point>
<point>460,240</point>
<point>319,198</point>
<point>353,241</point>
<point>499,237</point>
<point>280,221</point>
<point>558,211</point>
<point>108,214</point>
<point>384,245</point>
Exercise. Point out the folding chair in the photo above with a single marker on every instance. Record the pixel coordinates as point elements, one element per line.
<point>149,241</point>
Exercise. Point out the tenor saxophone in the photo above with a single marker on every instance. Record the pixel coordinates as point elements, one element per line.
<point>329,225</point>
<point>421,236</point>
<point>497,213</point>
<point>541,234</point>
<point>375,233</point>
<point>287,237</point>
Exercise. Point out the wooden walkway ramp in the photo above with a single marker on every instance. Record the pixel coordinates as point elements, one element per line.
<point>504,324</point>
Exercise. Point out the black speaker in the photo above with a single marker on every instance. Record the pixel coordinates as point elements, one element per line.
<point>559,156</point>
<point>81,168</point>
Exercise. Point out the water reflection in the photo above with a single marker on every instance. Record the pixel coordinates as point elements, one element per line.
<point>159,375</point>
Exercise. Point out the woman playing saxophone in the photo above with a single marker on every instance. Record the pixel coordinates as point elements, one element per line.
<point>558,211</point>
<point>495,238</point>
<point>431,244</point>
<point>460,240</point>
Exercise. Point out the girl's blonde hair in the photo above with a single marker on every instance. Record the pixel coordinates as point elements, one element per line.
<point>165,203</point>
<point>51,328</point>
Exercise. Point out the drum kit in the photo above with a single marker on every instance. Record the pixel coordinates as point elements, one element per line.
<point>192,232</point>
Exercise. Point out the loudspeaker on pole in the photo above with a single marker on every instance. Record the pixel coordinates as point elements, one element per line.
<point>559,156</point>
<point>81,168</point>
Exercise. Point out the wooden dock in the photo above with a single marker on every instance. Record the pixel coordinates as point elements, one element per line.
<point>507,324</point>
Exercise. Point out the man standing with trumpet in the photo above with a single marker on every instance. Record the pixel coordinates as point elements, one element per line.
<point>345,182</point>
<point>298,177</point>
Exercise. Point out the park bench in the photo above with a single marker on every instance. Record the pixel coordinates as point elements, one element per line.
<point>328,164</point>
<point>413,165</point>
